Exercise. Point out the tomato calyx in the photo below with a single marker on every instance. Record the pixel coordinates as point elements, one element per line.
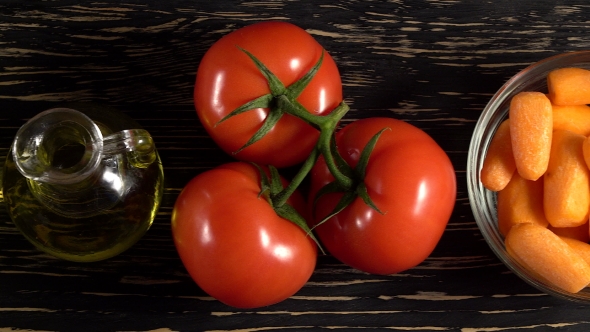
<point>270,101</point>
<point>357,188</point>
<point>271,188</point>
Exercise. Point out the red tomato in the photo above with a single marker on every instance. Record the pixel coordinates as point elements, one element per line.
<point>227,78</point>
<point>409,178</point>
<point>232,242</point>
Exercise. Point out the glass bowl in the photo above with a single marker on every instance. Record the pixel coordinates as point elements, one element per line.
<point>483,201</point>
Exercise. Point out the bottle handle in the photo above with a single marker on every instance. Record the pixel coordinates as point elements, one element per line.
<point>136,144</point>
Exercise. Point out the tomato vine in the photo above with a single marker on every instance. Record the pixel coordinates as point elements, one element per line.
<point>282,101</point>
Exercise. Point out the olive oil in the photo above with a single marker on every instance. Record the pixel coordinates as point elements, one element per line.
<point>89,220</point>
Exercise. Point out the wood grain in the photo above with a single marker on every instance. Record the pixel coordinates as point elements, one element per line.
<point>432,63</point>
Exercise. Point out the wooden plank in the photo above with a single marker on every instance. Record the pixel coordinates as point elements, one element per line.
<point>432,63</point>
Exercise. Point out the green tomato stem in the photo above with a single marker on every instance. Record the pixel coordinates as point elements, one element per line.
<point>281,198</point>
<point>327,130</point>
<point>293,107</point>
<point>327,126</point>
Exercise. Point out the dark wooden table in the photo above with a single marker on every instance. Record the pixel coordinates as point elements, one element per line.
<point>433,63</point>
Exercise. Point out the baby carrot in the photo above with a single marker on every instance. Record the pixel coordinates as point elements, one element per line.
<point>580,233</point>
<point>574,118</point>
<point>521,201</point>
<point>567,185</point>
<point>547,255</point>
<point>580,247</point>
<point>498,165</point>
<point>569,86</point>
<point>531,127</point>
<point>586,151</point>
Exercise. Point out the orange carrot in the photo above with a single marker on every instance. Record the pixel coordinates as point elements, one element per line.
<point>586,151</point>
<point>574,118</point>
<point>580,233</point>
<point>521,201</point>
<point>567,185</point>
<point>531,127</point>
<point>580,247</point>
<point>569,86</point>
<point>524,265</point>
<point>498,165</point>
<point>547,255</point>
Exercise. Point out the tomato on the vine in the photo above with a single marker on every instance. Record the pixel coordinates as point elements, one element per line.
<point>409,178</point>
<point>232,242</point>
<point>227,79</point>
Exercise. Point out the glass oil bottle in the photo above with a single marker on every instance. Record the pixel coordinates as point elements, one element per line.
<point>82,185</point>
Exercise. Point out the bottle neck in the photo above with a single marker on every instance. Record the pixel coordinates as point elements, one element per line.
<point>71,168</point>
<point>59,146</point>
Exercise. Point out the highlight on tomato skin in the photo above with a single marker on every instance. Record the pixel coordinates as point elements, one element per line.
<point>233,244</point>
<point>227,79</point>
<point>410,179</point>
